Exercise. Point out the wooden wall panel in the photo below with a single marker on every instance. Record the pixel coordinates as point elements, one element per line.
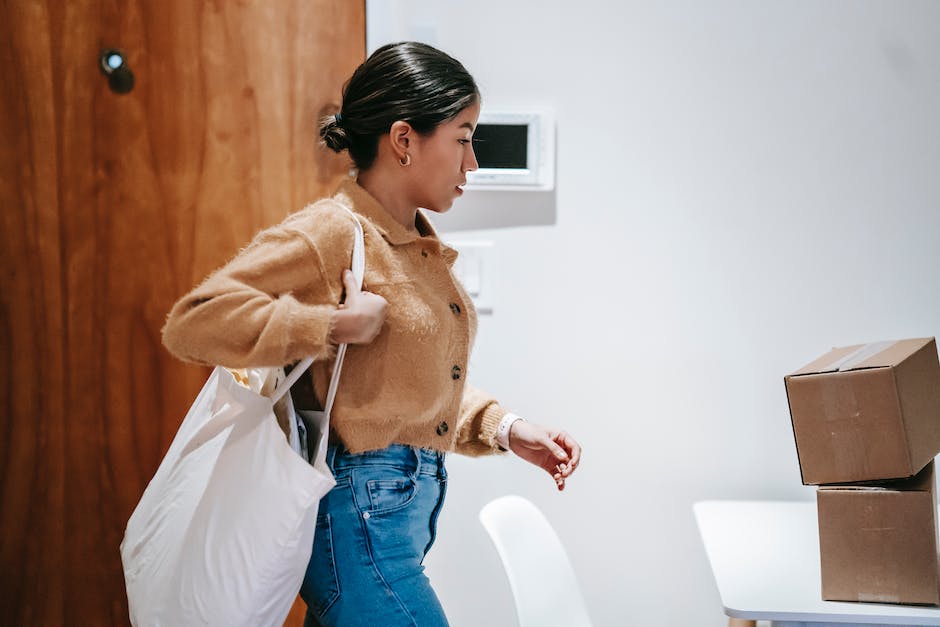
<point>113,207</point>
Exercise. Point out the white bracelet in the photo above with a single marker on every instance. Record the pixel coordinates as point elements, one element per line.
<point>505,425</point>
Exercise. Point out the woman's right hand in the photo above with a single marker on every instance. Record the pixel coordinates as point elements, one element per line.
<point>359,319</point>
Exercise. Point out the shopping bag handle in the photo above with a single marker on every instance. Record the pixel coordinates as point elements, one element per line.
<point>358,268</point>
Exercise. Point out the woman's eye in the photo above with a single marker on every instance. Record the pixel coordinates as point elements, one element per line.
<point>464,141</point>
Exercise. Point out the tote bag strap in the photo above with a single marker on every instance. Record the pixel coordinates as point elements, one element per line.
<point>358,269</point>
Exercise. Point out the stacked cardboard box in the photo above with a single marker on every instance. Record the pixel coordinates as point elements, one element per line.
<point>866,420</point>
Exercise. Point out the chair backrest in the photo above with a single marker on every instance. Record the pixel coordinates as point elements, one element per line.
<point>543,582</point>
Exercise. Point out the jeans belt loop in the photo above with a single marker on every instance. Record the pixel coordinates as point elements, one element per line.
<point>331,456</point>
<point>417,453</point>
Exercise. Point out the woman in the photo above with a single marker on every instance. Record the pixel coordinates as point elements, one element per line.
<point>407,120</point>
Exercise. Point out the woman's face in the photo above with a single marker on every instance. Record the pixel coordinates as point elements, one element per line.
<point>441,160</point>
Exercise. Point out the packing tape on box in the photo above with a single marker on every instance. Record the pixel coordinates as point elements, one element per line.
<point>858,356</point>
<point>865,597</point>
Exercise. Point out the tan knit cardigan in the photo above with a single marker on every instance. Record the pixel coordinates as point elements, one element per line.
<point>271,305</point>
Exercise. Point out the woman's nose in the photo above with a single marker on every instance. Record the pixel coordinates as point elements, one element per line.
<point>470,161</point>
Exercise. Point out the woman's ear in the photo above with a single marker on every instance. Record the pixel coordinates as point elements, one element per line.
<point>400,136</point>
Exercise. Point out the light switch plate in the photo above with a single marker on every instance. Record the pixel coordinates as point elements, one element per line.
<point>474,269</point>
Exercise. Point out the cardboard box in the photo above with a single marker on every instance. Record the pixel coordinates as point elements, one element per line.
<point>879,543</point>
<point>867,413</point>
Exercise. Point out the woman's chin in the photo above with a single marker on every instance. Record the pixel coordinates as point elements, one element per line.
<point>440,208</point>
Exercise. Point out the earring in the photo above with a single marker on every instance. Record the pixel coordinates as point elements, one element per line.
<point>406,161</point>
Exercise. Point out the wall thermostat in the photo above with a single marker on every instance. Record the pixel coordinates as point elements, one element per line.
<point>514,151</point>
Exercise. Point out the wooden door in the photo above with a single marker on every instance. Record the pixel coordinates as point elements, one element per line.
<point>113,206</point>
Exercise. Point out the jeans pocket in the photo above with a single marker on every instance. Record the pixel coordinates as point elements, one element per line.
<point>320,588</point>
<point>389,495</point>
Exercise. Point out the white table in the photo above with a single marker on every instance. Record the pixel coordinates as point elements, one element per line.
<point>765,559</point>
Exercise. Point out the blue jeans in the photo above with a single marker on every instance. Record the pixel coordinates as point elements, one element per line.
<point>373,531</point>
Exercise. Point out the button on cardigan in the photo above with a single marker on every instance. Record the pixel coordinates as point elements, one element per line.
<point>272,304</point>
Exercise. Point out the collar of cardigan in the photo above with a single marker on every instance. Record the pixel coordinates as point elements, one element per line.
<point>365,204</point>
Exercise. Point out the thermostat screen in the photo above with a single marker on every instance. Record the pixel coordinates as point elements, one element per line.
<point>501,145</point>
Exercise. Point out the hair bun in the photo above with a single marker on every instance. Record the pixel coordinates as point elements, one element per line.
<point>333,135</point>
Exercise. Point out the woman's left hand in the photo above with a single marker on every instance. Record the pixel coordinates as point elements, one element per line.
<point>554,451</point>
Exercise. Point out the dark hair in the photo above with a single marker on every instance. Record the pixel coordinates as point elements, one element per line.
<point>407,81</point>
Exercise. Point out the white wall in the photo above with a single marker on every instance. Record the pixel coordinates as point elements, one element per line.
<point>741,185</point>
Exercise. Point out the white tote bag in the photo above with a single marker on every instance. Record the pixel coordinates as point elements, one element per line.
<point>224,530</point>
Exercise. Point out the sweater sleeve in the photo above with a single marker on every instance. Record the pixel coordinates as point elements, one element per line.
<point>273,303</point>
<point>479,418</point>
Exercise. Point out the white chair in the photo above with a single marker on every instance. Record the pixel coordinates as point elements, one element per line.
<point>543,583</point>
